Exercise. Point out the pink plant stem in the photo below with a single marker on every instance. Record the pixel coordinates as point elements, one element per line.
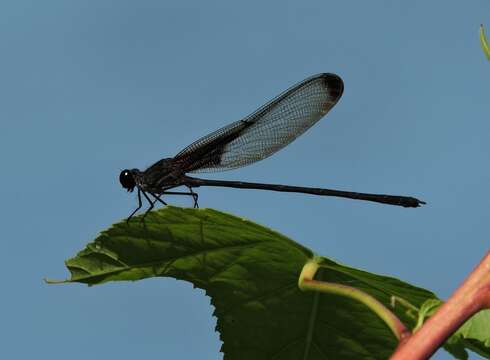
<point>472,296</point>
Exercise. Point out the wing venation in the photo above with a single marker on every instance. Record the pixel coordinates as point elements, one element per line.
<point>265,131</point>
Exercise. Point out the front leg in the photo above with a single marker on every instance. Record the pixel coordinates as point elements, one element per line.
<point>139,207</point>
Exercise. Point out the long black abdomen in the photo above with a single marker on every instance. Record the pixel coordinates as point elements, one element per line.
<point>405,201</point>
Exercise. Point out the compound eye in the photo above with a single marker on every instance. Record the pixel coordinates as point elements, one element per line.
<point>127,180</point>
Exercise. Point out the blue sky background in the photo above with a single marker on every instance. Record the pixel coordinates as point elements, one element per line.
<point>91,87</point>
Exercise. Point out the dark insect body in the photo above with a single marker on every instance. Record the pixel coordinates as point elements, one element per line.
<point>257,136</point>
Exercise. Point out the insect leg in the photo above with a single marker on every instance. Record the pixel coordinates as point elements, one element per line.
<point>139,207</point>
<point>194,196</point>
<point>152,205</point>
<point>157,198</point>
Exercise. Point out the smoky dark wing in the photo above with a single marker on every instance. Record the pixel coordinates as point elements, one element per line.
<point>265,131</point>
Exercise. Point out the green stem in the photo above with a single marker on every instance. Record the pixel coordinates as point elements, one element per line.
<point>411,310</point>
<point>306,282</point>
<point>484,42</point>
<point>403,302</point>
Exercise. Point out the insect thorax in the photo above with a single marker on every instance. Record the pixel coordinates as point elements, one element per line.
<point>158,175</point>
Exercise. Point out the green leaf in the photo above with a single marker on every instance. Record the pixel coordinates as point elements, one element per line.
<point>484,42</point>
<point>251,274</point>
<point>475,333</point>
<point>427,309</point>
